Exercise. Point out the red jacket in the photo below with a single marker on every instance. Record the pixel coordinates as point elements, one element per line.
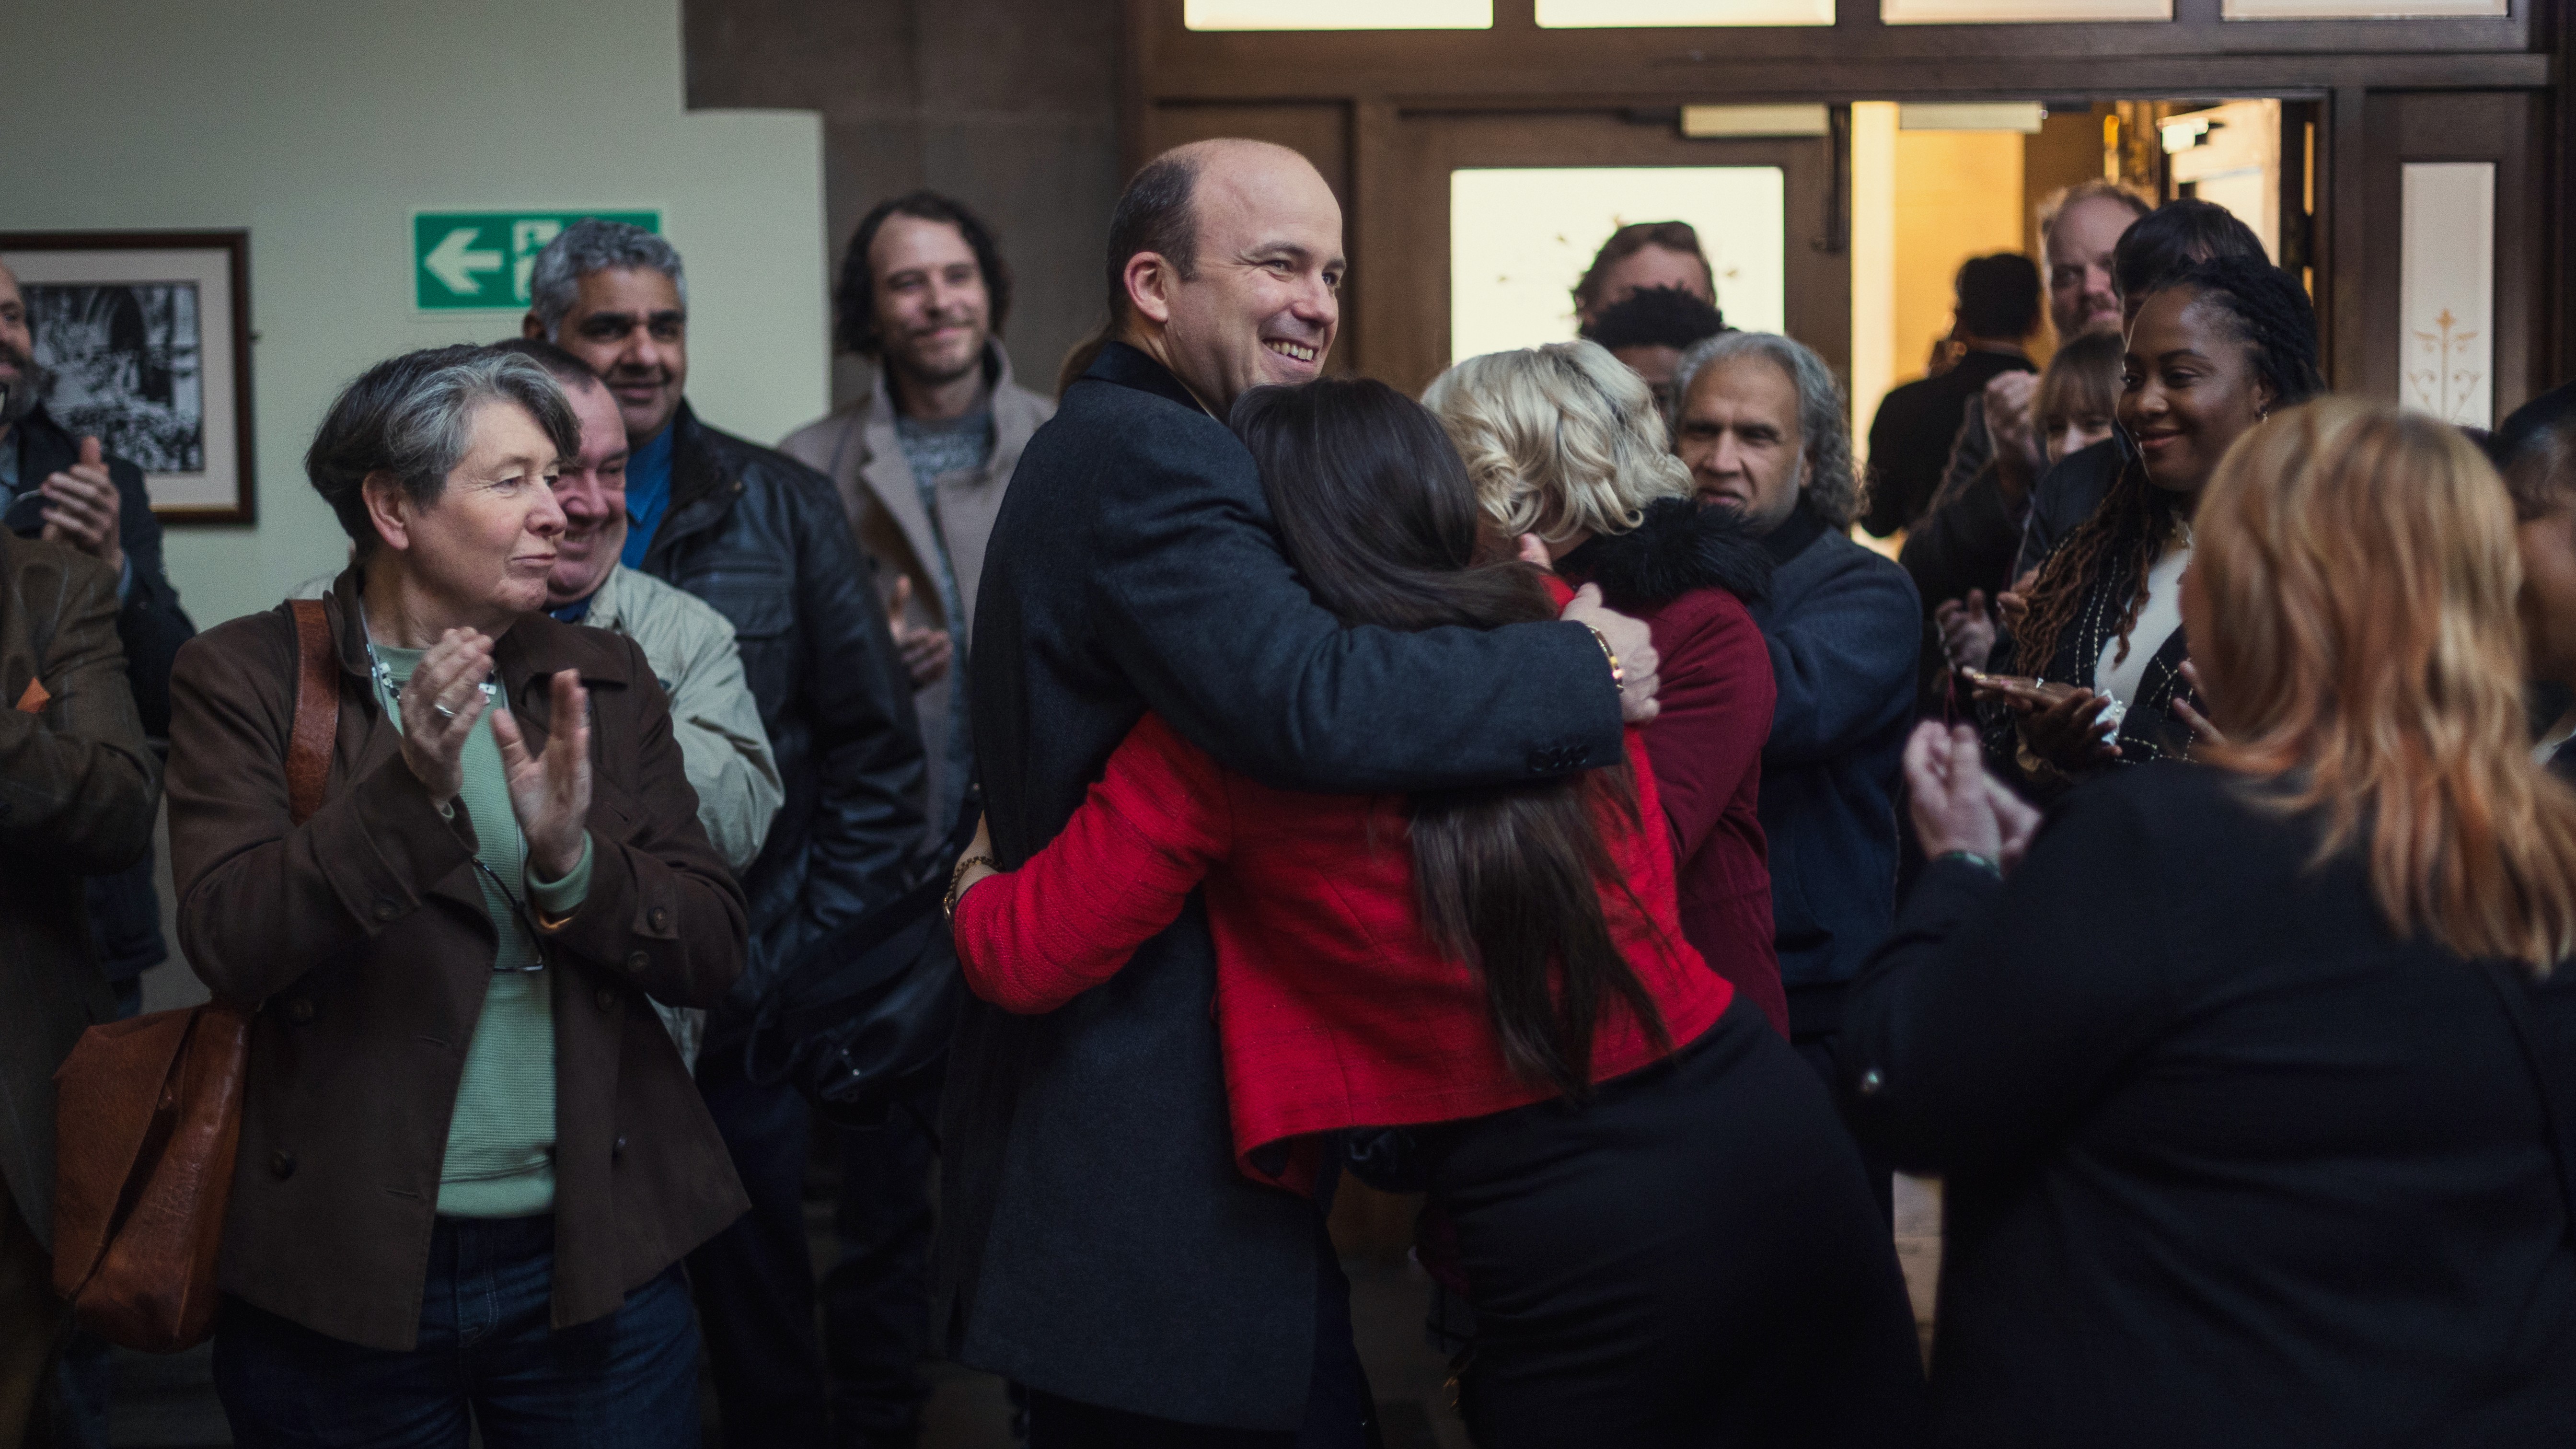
<point>1334,1008</point>
<point>1683,572</point>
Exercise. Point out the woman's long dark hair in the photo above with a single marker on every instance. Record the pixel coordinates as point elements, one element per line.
<point>1379,516</point>
<point>2270,313</point>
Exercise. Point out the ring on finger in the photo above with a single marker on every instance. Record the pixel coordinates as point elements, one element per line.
<point>445,715</point>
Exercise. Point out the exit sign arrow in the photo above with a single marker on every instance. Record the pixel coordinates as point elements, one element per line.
<point>480,261</point>
<point>455,261</point>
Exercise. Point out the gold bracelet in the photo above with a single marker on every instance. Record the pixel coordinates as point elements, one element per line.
<point>956,881</point>
<point>1618,674</point>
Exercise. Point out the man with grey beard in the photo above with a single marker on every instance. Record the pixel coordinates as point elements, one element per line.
<point>72,492</point>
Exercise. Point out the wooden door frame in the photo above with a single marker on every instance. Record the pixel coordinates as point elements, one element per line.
<point>1381,77</point>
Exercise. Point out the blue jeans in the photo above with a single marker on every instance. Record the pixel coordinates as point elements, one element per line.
<point>629,1380</point>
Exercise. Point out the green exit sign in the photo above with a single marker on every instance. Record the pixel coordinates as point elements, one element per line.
<point>478,261</point>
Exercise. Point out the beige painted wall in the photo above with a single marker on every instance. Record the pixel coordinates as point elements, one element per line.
<point>322,126</point>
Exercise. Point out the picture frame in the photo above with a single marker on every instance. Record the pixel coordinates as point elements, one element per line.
<point>146,337</point>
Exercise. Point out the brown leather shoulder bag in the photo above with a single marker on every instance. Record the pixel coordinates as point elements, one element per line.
<point>148,1111</point>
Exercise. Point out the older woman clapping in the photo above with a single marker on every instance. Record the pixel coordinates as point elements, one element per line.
<point>2244,1081</point>
<point>470,1157</point>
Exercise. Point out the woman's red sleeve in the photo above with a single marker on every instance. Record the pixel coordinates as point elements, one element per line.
<point>1034,938</point>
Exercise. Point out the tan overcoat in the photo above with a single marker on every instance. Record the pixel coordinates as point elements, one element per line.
<point>857,448</point>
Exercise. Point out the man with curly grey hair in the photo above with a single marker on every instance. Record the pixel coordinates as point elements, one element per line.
<point>764,539</point>
<point>1763,432</point>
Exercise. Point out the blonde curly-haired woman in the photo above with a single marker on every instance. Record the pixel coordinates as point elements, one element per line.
<point>1566,445</point>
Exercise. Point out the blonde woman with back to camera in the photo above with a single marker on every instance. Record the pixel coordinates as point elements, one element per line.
<point>2243,1080</point>
<point>1569,455</point>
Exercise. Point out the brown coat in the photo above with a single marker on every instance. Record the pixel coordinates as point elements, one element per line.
<point>78,788</point>
<point>360,937</point>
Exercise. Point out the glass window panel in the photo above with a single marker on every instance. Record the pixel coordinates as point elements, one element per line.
<point>2017,12</point>
<point>1598,14</point>
<point>2446,290</point>
<point>2359,9</point>
<point>1338,14</point>
<point>1519,239</point>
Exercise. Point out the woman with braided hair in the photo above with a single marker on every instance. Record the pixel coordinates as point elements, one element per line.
<point>2215,349</point>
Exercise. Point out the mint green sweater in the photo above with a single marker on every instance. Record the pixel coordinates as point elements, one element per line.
<point>500,1142</point>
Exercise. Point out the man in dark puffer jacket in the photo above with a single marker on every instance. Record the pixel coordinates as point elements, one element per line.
<point>763,538</point>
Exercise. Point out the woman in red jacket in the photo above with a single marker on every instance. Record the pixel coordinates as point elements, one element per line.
<point>1565,444</point>
<point>1666,1234</point>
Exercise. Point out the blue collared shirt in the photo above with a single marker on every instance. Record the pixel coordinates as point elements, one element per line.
<point>648,494</point>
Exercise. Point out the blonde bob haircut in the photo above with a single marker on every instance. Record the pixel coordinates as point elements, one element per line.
<point>2359,565</point>
<point>1560,440</point>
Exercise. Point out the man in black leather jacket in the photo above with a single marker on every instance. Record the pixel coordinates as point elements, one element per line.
<point>764,539</point>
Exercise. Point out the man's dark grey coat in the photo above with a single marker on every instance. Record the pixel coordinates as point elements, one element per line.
<point>1097,1241</point>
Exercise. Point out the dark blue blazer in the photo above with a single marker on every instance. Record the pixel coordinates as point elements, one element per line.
<point>1844,625</point>
<point>1096,1239</point>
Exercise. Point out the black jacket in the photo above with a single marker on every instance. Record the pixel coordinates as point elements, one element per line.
<point>2226,1161</point>
<point>1096,1239</point>
<point>125,912</point>
<point>1911,438</point>
<point>2066,495</point>
<point>763,538</point>
<point>1967,541</point>
<point>1842,624</point>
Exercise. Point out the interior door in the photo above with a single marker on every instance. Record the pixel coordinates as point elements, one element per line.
<point>1540,191</point>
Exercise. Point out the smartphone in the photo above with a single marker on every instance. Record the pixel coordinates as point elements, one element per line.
<point>2041,692</point>
<point>26,515</point>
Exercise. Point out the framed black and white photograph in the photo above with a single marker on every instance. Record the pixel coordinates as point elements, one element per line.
<point>143,339</point>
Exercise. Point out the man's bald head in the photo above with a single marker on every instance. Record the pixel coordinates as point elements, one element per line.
<point>1225,263</point>
<point>1157,211</point>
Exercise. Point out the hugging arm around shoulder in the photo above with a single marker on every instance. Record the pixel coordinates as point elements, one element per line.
<point>1995,1013</point>
<point>1214,627</point>
<point>1148,832</point>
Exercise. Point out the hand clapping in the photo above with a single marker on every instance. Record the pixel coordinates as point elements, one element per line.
<point>1956,805</point>
<point>550,792</point>
<point>439,706</point>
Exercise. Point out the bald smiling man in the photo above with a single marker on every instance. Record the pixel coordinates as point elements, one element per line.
<point>1098,1244</point>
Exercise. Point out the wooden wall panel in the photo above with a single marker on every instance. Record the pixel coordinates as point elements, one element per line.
<point>2497,126</point>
